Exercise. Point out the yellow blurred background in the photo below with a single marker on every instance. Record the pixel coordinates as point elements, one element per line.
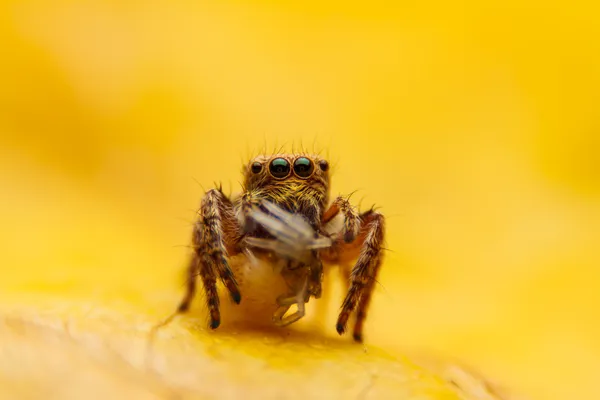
<point>474,125</point>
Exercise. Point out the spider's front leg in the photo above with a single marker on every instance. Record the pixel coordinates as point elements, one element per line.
<point>361,238</point>
<point>214,239</point>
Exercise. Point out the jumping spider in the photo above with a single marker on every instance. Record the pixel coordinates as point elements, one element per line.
<point>283,214</point>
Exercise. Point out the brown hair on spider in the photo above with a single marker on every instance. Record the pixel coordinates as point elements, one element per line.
<point>298,183</point>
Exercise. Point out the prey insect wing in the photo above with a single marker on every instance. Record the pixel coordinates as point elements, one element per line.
<point>292,221</point>
<point>294,237</point>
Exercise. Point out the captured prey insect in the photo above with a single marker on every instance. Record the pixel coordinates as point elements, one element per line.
<point>284,216</point>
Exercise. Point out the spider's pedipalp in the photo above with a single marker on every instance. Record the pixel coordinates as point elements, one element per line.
<point>350,214</point>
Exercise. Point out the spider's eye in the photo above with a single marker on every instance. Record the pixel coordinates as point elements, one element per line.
<point>280,168</point>
<point>324,165</point>
<point>303,167</point>
<point>256,167</point>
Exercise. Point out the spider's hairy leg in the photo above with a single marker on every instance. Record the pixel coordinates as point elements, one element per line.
<point>344,250</point>
<point>351,217</point>
<point>214,233</point>
<point>368,248</point>
<point>190,282</point>
<point>364,274</point>
<point>209,281</point>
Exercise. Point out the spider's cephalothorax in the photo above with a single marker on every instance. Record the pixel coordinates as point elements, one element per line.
<point>298,184</point>
<point>283,212</point>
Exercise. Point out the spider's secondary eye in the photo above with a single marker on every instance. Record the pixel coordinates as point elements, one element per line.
<point>280,168</point>
<point>324,165</point>
<point>303,167</point>
<point>256,167</point>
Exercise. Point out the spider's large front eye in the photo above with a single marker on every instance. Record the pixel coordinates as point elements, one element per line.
<point>256,167</point>
<point>303,167</point>
<point>280,168</point>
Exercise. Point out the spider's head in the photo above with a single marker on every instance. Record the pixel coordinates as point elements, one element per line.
<point>289,176</point>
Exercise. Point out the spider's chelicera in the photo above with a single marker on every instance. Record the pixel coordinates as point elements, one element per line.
<point>284,211</point>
